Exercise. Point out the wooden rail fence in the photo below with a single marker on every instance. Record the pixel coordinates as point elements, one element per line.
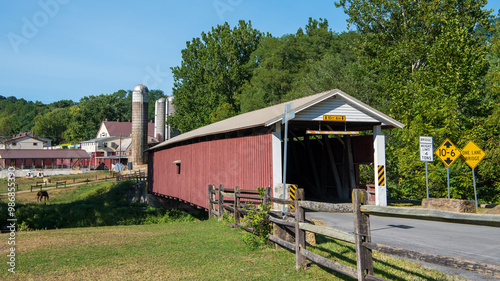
<point>58,183</point>
<point>137,176</point>
<point>235,201</point>
<point>41,182</point>
<point>36,185</point>
<point>86,181</point>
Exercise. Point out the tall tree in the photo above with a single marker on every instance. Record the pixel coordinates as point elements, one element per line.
<point>153,96</point>
<point>278,63</point>
<point>88,114</point>
<point>339,69</point>
<point>212,72</point>
<point>429,62</point>
<point>52,124</point>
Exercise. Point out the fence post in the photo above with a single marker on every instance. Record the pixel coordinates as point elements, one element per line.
<point>267,194</point>
<point>236,206</point>
<point>210,200</point>
<point>221,201</point>
<point>362,231</point>
<point>300,235</point>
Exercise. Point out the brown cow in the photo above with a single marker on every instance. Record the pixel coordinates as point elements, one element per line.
<point>42,194</point>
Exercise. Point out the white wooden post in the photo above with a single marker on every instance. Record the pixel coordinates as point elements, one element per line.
<point>379,166</point>
<point>277,157</point>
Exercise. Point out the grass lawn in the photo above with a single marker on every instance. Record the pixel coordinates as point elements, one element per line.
<point>129,241</point>
<point>203,250</point>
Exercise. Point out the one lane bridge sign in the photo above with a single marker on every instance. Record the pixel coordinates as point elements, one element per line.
<point>472,154</point>
<point>447,152</point>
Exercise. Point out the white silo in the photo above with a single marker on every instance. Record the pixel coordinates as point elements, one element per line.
<point>170,132</point>
<point>160,114</point>
<point>139,124</point>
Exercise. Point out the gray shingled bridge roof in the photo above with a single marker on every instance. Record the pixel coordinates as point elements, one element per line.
<point>272,114</point>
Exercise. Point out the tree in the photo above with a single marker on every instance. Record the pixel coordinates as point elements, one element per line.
<point>52,124</point>
<point>153,96</point>
<point>18,115</point>
<point>278,63</point>
<point>88,114</point>
<point>62,104</point>
<point>212,72</point>
<point>339,69</point>
<point>430,65</point>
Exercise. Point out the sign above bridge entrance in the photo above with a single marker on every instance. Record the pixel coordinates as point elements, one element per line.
<point>334,117</point>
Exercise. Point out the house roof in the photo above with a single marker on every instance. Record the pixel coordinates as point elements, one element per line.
<point>273,114</point>
<point>24,135</point>
<point>100,139</point>
<point>117,128</point>
<point>42,153</point>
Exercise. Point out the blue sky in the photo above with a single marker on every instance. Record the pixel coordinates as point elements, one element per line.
<point>67,49</point>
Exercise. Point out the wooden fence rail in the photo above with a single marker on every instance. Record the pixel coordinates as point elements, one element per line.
<point>231,200</point>
<point>41,182</point>
<point>432,215</point>
<point>36,186</point>
<point>58,183</point>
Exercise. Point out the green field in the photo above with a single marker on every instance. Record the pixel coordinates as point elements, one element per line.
<point>164,246</point>
<point>26,183</point>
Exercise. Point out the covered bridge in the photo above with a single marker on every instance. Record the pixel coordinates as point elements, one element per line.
<point>331,134</point>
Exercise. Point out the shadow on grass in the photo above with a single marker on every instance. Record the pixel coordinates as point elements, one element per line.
<point>102,205</point>
<point>342,251</point>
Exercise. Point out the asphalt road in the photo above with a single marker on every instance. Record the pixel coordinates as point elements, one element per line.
<point>468,242</point>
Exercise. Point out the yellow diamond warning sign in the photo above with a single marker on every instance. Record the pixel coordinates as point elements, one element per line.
<point>472,154</point>
<point>447,152</point>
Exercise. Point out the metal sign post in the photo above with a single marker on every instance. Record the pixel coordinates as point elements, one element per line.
<point>289,114</point>
<point>472,155</point>
<point>448,173</point>
<point>474,180</point>
<point>427,156</point>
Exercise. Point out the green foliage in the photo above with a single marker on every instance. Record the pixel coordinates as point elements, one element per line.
<point>211,74</point>
<point>65,120</point>
<point>52,124</point>
<point>430,62</point>
<point>280,63</point>
<point>257,219</point>
<point>228,217</point>
<point>86,117</point>
<point>18,115</point>
<point>153,96</point>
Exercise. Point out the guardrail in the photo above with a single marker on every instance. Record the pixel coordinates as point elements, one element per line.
<point>231,200</point>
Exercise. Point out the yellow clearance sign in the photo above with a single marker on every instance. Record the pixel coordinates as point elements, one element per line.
<point>472,154</point>
<point>334,117</point>
<point>447,152</point>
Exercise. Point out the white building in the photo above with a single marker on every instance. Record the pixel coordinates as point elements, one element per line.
<point>28,140</point>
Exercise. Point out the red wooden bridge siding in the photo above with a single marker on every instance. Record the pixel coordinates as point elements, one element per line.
<point>244,161</point>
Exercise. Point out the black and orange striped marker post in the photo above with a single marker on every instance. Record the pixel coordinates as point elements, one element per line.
<point>292,194</point>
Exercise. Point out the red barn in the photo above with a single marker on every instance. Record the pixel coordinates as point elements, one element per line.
<point>247,151</point>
